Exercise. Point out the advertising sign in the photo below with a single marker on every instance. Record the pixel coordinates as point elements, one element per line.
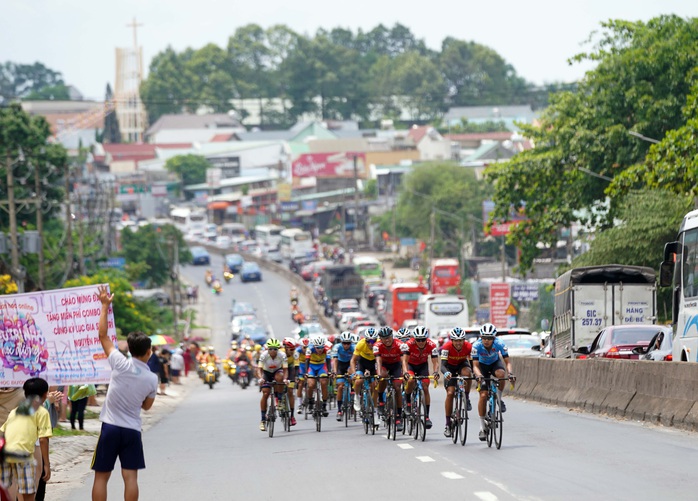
<point>525,292</point>
<point>500,298</point>
<point>498,229</point>
<point>229,166</point>
<point>53,335</point>
<point>329,165</point>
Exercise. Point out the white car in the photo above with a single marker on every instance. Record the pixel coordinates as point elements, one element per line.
<point>522,345</point>
<point>223,241</point>
<point>349,317</point>
<point>239,321</point>
<point>273,254</point>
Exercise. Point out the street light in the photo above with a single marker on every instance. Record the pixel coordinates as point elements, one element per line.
<point>644,138</point>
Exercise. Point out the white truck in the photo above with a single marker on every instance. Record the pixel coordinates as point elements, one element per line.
<point>590,298</point>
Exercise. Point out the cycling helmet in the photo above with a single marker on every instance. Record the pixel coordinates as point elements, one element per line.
<point>289,343</point>
<point>248,348</point>
<point>305,342</point>
<point>234,345</point>
<point>354,338</point>
<point>385,332</point>
<point>331,338</point>
<point>273,344</point>
<point>456,334</point>
<point>488,331</point>
<point>403,333</point>
<point>345,337</point>
<point>420,332</point>
<point>371,333</point>
<point>318,341</point>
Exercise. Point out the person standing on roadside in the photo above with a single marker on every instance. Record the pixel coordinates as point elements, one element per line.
<point>132,387</point>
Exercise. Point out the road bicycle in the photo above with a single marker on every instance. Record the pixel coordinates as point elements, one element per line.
<point>347,400</point>
<point>416,418</point>
<point>459,413</point>
<point>317,411</point>
<point>390,415</point>
<point>494,421</point>
<point>368,415</point>
<point>278,406</point>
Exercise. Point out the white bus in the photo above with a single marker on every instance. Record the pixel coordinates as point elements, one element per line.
<point>235,231</point>
<point>268,235</point>
<point>439,312</point>
<point>680,271</point>
<point>296,243</point>
<point>189,221</point>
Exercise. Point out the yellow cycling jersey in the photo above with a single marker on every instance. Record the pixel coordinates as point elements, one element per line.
<point>299,357</point>
<point>364,350</point>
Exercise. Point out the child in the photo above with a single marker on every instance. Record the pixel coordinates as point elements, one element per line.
<point>25,424</point>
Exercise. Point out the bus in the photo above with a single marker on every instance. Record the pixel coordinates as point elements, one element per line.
<point>369,268</point>
<point>439,312</point>
<point>444,274</point>
<point>401,302</point>
<point>189,220</point>
<point>296,243</point>
<point>679,270</point>
<point>268,235</point>
<point>235,231</point>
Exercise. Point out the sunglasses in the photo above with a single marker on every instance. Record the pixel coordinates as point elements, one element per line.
<point>421,340</point>
<point>370,341</point>
<point>346,342</point>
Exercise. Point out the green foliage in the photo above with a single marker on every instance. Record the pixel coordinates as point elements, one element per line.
<point>371,189</point>
<point>57,92</point>
<point>21,80</point>
<point>112,132</point>
<point>467,127</point>
<point>638,84</point>
<point>190,168</point>
<point>544,307</point>
<point>150,253</point>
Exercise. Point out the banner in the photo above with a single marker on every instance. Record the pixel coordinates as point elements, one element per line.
<point>500,298</point>
<point>53,335</point>
<point>329,165</point>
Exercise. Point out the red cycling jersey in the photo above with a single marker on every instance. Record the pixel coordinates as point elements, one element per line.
<point>391,354</point>
<point>453,356</point>
<point>419,357</point>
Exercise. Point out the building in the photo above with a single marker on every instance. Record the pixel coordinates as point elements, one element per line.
<point>172,128</point>
<point>483,114</point>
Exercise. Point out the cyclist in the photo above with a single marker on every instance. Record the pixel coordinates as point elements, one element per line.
<point>299,364</point>
<point>272,366</point>
<point>363,360</point>
<point>403,334</point>
<point>289,345</point>
<point>455,356</point>
<point>421,349</point>
<point>391,357</point>
<point>341,359</point>
<point>489,357</point>
<point>317,355</point>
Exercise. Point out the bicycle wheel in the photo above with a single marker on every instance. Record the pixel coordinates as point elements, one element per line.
<point>287,413</point>
<point>371,415</point>
<point>498,421</point>
<point>414,415</point>
<point>420,417</point>
<point>490,420</point>
<point>462,419</point>
<point>364,410</point>
<point>271,415</point>
<point>390,415</point>
<point>318,408</point>
<point>347,404</point>
<point>455,415</point>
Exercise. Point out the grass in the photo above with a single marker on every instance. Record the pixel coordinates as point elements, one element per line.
<point>91,414</point>
<point>68,432</point>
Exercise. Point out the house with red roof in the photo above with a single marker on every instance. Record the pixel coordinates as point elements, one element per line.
<point>430,143</point>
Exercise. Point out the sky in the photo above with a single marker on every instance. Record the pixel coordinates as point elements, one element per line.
<point>78,37</point>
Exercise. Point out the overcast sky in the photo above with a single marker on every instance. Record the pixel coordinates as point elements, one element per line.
<point>78,37</point>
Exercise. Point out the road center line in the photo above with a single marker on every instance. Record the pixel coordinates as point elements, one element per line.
<point>451,475</point>
<point>405,446</point>
<point>486,496</point>
<point>426,459</point>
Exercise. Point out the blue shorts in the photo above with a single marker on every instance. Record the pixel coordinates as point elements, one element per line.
<point>124,443</point>
<point>317,370</point>
<point>301,371</point>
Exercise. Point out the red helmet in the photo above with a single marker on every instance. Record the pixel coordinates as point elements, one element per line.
<point>331,338</point>
<point>305,342</point>
<point>289,343</point>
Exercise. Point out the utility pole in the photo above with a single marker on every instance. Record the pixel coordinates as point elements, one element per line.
<point>356,196</point>
<point>432,238</point>
<point>174,276</point>
<point>81,246</point>
<point>504,259</point>
<point>16,272</point>
<point>68,224</point>
<point>39,227</point>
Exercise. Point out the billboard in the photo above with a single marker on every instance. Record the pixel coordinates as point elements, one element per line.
<point>500,298</point>
<point>498,229</point>
<point>53,335</point>
<point>329,165</point>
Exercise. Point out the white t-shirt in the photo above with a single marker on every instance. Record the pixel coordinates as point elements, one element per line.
<point>177,361</point>
<point>131,383</point>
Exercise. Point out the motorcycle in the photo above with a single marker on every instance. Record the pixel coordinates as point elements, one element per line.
<point>217,288</point>
<point>230,369</point>
<point>209,278</point>
<point>228,276</point>
<point>211,375</point>
<point>243,374</point>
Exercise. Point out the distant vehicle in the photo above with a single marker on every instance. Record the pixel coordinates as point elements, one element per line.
<point>411,324</point>
<point>211,232</point>
<point>360,325</point>
<point>311,329</point>
<point>189,220</point>
<point>522,345</point>
<point>250,272</point>
<point>349,317</point>
<point>247,246</point>
<point>296,264</point>
<point>444,275</point>
<point>368,266</point>
<point>589,299</point>
<point>620,341</point>
<point>257,333</point>
<point>200,256</point>
<point>239,321</point>
<point>296,243</point>
<point>158,295</point>
<point>223,241</point>
<point>273,254</point>
<point>374,291</point>
<point>342,282</point>
<point>306,272</point>
<point>442,311</point>
<point>236,231</point>
<point>345,306</point>
<point>242,308</point>
<point>234,262</point>
<point>401,302</point>
<point>268,235</point>
<point>660,346</point>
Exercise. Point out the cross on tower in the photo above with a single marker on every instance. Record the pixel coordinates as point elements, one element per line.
<point>135,26</point>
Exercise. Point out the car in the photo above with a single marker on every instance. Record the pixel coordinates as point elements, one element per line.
<point>199,255</point>
<point>344,306</point>
<point>239,321</point>
<point>296,264</point>
<point>361,325</point>
<point>247,246</point>
<point>273,254</point>
<point>242,308</point>
<point>210,233</point>
<point>158,295</point>
<point>234,262</point>
<point>349,317</point>
<point>250,271</point>
<point>223,241</point>
<point>257,333</point>
<point>620,341</point>
<point>373,293</point>
<point>311,329</point>
<point>660,347</point>
<point>522,345</point>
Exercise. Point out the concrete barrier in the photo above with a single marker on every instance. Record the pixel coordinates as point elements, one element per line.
<point>656,392</point>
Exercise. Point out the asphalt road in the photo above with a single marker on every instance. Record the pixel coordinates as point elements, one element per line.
<point>211,448</point>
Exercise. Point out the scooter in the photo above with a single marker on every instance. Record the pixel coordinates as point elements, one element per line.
<point>209,278</point>
<point>228,276</point>
<point>230,369</point>
<point>210,375</point>
<point>217,287</point>
<point>243,374</point>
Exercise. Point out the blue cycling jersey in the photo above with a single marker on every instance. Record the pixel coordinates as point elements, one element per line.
<point>343,354</point>
<point>489,357</point>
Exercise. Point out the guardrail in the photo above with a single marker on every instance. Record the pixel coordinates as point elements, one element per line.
<point>663,393</point>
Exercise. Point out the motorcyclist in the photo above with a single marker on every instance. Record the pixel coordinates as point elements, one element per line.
<point>217,287</point>
<point>209,276</point>
<point>294,294</point>
<point>212,358</point>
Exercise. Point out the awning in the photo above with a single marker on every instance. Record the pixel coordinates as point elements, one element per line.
<point>218,205</point>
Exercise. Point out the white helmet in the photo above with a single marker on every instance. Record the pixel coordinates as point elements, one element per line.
<point>420,332</point>
<point>488,331</point>
<point>346,337</point>
<point>318,341</point>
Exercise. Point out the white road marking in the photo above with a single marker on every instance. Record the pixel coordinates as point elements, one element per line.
<point>426,459</point>
<point>451,475</point>
<point>486,496</point>
<point>405,446</point>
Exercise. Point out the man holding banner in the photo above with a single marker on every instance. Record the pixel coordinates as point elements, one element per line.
<point>132,387</point>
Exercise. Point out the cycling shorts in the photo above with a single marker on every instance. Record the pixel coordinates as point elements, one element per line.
<point>365,365</point>
<point>420,370</point>
<point>457,370</point>
<point>342,368</point>
<point>393,370</point>
<point>292,376</point>
<point>488,370</point>
<point>301,370</point>
<point>317,370</point>
<point>269,377</point>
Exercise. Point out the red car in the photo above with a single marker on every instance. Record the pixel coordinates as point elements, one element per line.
<point>619,341</point>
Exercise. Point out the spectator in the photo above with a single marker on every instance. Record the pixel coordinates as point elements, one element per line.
<point>164,359</point>
<point>131,388</point>
<point>154,361</point>
<point>26,424</point>
<point>196,293</point>
<point>78,395</point>
<point>177,365</point>
<point>51,404</point>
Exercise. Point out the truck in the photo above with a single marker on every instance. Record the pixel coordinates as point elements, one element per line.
<point>679,269</point>
<point>591,298</point>
<point>342,282</point>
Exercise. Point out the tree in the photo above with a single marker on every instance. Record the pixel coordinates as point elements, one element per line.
<point>639,85</point>
<point>167,88</point>
<point>190,168</point>
<point>112,133</point>
<point>57,92</point>
<point>20,80</point>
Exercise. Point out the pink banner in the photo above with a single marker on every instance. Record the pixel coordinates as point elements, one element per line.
<point>329,165</point>
<point>500,297</point>
<point>53,335</point>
